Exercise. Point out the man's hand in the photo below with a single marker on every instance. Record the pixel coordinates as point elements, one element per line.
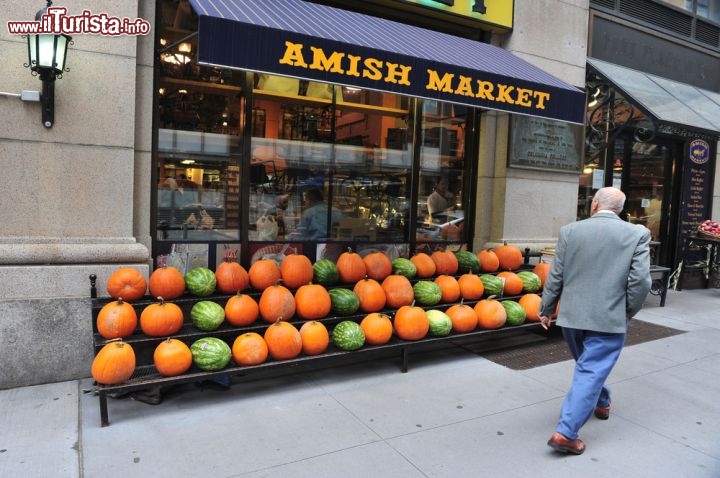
<point>545,321</point>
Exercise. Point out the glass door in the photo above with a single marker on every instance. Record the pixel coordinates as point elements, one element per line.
<point>648,184</point>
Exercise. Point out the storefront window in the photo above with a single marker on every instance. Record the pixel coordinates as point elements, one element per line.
<point>334,163</point>
<point>441,206</point>
<point>271,163</point>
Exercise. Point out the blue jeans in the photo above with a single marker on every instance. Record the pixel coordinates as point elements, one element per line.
<point>595,355</point>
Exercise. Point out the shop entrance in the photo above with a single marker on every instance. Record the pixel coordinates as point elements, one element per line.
<point>647,173</point>
<point>651,189</point>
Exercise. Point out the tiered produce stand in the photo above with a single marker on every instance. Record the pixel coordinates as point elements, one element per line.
<point>145,374</point>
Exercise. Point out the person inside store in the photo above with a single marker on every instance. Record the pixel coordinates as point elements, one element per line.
<point>186,183</point>
<point>594,312</point>
<point>313,224</point>
<point>277,210</point>
<point>441,199</point>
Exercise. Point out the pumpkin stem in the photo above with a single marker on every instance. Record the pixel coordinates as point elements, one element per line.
<point>120,301</point>
<point>161,300</point>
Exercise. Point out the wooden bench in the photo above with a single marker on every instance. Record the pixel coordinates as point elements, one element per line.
<point>659,276</point>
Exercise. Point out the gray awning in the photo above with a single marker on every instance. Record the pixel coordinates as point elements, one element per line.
<point>667,101</point>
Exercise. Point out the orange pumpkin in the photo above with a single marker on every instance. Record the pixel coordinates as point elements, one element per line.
<point>241,310</point>
<point>411,322</point>
<point>513,283</point>
<point>283,340</point>
<point>445,262</point>
<point>167,282</point>
<point>424,264</point>
<point>351,267</point>
<point>276,303</point>
<point>463,318</point>
<point>249,349</point>
<point>449,288</point>
<point>114,363</point>
<point>531,303</point>
<point>116,319</point>
<point>377,265</point>
<point>312,301</point>
<point>161,319</point>
<point>510,257</point>
<point>172,357</point>
<point>371,295</point>
<point>127,283</point>
<point>296,270</point>
<point>377,328</point>
<point>542,269</point>
<point>471,287</point>
<point>398,291</point>
<point>231,277</point>
<point>489,261</point>
<point>490,314</point>
<point>264,273</point>
<point>315,337</point>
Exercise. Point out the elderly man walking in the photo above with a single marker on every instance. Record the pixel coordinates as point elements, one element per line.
<point>600,276</point>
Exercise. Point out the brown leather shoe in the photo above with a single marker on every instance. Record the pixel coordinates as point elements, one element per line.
<point>603,413</point>
<point>559,442</point>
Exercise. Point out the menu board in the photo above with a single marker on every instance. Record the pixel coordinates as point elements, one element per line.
<point>696,187</point>
<point>538,143</point>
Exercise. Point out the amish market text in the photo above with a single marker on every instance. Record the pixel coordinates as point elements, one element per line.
<point>378,70</point>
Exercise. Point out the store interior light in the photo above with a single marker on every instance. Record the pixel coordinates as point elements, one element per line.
<point>175,58</point>
<point>46,59</point>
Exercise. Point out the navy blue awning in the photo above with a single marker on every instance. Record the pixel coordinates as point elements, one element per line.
<point>316,42</point>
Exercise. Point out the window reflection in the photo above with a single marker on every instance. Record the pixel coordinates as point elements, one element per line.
<point>348,145</point>
<point>440,204</point>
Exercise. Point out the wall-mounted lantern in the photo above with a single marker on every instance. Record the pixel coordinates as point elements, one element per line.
<point>46,59</point>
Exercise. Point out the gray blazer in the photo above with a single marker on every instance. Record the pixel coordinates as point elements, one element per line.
<point>600,274</point>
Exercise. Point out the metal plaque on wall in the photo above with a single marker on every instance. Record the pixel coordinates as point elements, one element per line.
<point>538,143</point>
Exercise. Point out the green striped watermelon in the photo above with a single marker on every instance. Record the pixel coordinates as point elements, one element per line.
<point>344,301</point>
<point>515,312</point>
<point>427,292</point>
<point>440,323</point>
<point>493,285</point>
<point>200,281</point>
<point>531,281</point>
<point>404,267</point>
<point>348,335</point>
<point>325,272</point>
<point>207,315</point>
<point>467,262</point>
<point>210,353</point>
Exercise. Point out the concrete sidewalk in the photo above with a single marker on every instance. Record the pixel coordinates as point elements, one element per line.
<point>453,414</point>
